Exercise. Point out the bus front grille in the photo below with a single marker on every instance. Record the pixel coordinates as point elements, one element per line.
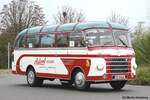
<point>118,65</point>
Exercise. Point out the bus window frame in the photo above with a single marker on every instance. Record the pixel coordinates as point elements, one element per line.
<point>19,39</point>
<point>75,38</point>
<point>45,33</point>
<point>56,38</point>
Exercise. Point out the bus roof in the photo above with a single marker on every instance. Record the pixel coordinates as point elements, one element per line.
<point>73,27</point>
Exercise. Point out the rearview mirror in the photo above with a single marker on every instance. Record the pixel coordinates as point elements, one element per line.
<point>89,42</point>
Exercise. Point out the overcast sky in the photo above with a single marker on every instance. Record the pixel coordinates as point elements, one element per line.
<point>96,10</point>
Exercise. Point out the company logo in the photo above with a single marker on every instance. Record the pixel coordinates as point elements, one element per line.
<point>42,61</point>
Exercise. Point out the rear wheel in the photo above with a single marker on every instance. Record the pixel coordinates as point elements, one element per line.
<point>32,80</point>
<point>80,82</point>
<point>117,85</point>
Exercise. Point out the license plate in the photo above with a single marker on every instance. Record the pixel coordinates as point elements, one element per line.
<point>117,77</point>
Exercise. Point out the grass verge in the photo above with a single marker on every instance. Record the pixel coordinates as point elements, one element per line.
<point>143,76</point>
<point>5,71</point>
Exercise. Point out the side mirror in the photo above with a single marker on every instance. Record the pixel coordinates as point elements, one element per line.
<point>89,42</point>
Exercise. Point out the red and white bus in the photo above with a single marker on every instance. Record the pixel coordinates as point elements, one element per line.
<point>77,54</point>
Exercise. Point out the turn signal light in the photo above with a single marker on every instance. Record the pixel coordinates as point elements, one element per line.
<point>87,63</point>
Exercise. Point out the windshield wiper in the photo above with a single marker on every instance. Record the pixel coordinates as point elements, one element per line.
<point>123,42</point>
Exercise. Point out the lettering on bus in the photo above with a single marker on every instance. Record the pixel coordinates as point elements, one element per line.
<point>40,61</point>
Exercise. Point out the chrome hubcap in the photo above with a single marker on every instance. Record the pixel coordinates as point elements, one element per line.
<point>79,79</point>
<point>31,77</point>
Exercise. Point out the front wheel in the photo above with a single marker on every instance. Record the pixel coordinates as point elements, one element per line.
<point>117,85</point>
<point>80,82</point>
<point>32,80</point>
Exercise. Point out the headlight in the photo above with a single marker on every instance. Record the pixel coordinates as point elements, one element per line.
<point>100,67</point>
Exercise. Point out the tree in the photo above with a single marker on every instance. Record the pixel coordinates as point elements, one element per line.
<point>141,46</point>
<point>21,14</point>
<point>68,15</point>
<point>141,43</point>
<point>117,18</point>
<point>14,17</point>
<point>4,39</point>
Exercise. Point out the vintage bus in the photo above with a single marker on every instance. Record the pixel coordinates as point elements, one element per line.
<point>78,54</point>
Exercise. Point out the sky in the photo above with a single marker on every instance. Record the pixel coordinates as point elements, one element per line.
<point>97,10</point>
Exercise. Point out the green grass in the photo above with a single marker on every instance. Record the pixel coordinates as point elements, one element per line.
<point>143,76</point>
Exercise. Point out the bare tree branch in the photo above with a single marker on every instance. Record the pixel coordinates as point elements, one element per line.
<point>21,14</point>
<point>117,18</point>
<point>72,15</point>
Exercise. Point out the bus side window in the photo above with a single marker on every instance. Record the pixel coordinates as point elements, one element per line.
<point>78,39</point>
<point>47,40</point>
<point>33,41</point>
<point>62,40</point>
<point>22,41</point>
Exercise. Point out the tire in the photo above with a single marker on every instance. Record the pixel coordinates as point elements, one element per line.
<point>117,85</point>
<point>32,80</point>
<point>79,81</point>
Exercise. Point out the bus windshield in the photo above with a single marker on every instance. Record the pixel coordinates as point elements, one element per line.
<point>100,37</point>
<point>122,38</point>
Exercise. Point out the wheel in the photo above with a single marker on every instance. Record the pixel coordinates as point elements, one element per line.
<point>80,82</point>
<point>32,80</point>
<point>117,85</point>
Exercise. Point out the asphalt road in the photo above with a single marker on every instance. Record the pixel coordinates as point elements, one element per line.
<point>13,87</point>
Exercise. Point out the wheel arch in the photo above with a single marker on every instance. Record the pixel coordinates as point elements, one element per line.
<point>28,67</point>
<point>74,70</point>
